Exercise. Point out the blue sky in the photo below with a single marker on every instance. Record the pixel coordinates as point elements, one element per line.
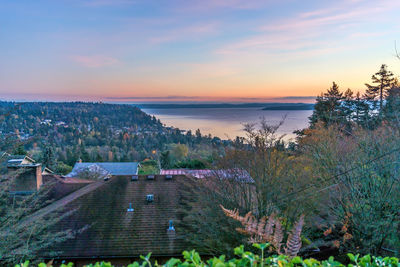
<point>198,50</point>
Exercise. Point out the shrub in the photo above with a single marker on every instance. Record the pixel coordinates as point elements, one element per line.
<point>245,258</point>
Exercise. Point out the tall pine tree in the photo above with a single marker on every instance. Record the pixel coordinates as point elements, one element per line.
<point>328,108</point>
<point>382,81</point>
<point>361,111</point>
<point>392,107</point>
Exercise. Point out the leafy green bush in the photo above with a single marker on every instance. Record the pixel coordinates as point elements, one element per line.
<point>245,258</point>
<point>148,167</point>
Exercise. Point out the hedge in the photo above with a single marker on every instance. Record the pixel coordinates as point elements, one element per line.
<point>245,258</point>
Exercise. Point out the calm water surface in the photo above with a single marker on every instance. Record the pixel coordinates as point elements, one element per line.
<point>228,122</point>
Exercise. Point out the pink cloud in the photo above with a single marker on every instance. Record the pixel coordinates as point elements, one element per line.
<point>310,30</point>
<point>94,61</point>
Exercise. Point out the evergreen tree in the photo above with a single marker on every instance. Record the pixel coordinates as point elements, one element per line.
<point>392,107</point>
<point>328,107</point>
<point>165,159</point>
<point>85,157</point>
<point>361,111</point>
<point>198,136</point>
<point>19,150</point>
<point>48,158</point>
<point>383,80</point>
<point>24,232</point>
<point>348,105</point>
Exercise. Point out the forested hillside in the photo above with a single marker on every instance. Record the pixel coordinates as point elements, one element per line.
<point>61,133</point>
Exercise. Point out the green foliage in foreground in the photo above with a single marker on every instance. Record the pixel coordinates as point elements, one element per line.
<point>245,258</point>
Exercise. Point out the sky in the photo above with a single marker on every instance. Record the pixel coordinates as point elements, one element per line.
<point>183,50</point>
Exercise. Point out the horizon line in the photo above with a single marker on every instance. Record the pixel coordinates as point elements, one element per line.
<point>152,99</point>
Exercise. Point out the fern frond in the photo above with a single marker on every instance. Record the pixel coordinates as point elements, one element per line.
<point>234,214</point>
<point>261,225</point>
<point>242,231</point>
<point>255,239</point>
<point>278,236</point>
<point>251,225</point>
<point>293,243</point>
<point>269,227</point>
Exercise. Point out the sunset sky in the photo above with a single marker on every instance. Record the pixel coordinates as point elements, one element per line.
<point>208,50</point>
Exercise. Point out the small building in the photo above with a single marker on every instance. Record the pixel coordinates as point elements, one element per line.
<point>18,161</point>
<point>30,175</point>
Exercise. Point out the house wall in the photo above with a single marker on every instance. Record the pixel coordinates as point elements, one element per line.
<point>27,178</point>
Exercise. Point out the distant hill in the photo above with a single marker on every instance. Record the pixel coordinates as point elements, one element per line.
<point>88,131</point>
<point>266,106</point>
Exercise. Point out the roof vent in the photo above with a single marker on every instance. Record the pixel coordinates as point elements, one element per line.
<point>130,209</point>
<point>171,227</point>
<point>168,177</point>
<point>135,178</point>
<point>150,177</point>
<point>149,198</point>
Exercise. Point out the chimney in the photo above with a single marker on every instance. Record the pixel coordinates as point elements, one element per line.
<point>38,175</point>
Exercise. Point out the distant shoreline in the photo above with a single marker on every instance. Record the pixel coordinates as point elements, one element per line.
<point>291,107</point>
<point>263,106</point>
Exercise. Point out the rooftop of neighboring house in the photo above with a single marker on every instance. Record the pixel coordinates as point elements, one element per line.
<point>127,217</point>
<point>61,187</point>
<point>65,180</point>
<point>46,170</point>
<point>18,160</point>
<point>237,174</point>
<point>112,168</point>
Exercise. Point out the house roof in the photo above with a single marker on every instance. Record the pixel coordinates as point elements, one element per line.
<point>16,160</point>
<point>115,232</point>
<point>45,169</point>
<point>113,168</point>
<point>4,154</point>
<point>237,174</point>
<point>61,187</point>
<point>65,180</point>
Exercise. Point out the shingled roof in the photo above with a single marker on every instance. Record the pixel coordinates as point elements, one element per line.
<point>116,232</point>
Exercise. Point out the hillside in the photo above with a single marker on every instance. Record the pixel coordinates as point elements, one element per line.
<point>65,132</point>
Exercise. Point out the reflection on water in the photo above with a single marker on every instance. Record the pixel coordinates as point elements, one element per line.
<point>228,122</point>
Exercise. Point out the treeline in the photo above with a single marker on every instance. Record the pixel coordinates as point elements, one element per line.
<point>379,103</point>
<point>59,134</point>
